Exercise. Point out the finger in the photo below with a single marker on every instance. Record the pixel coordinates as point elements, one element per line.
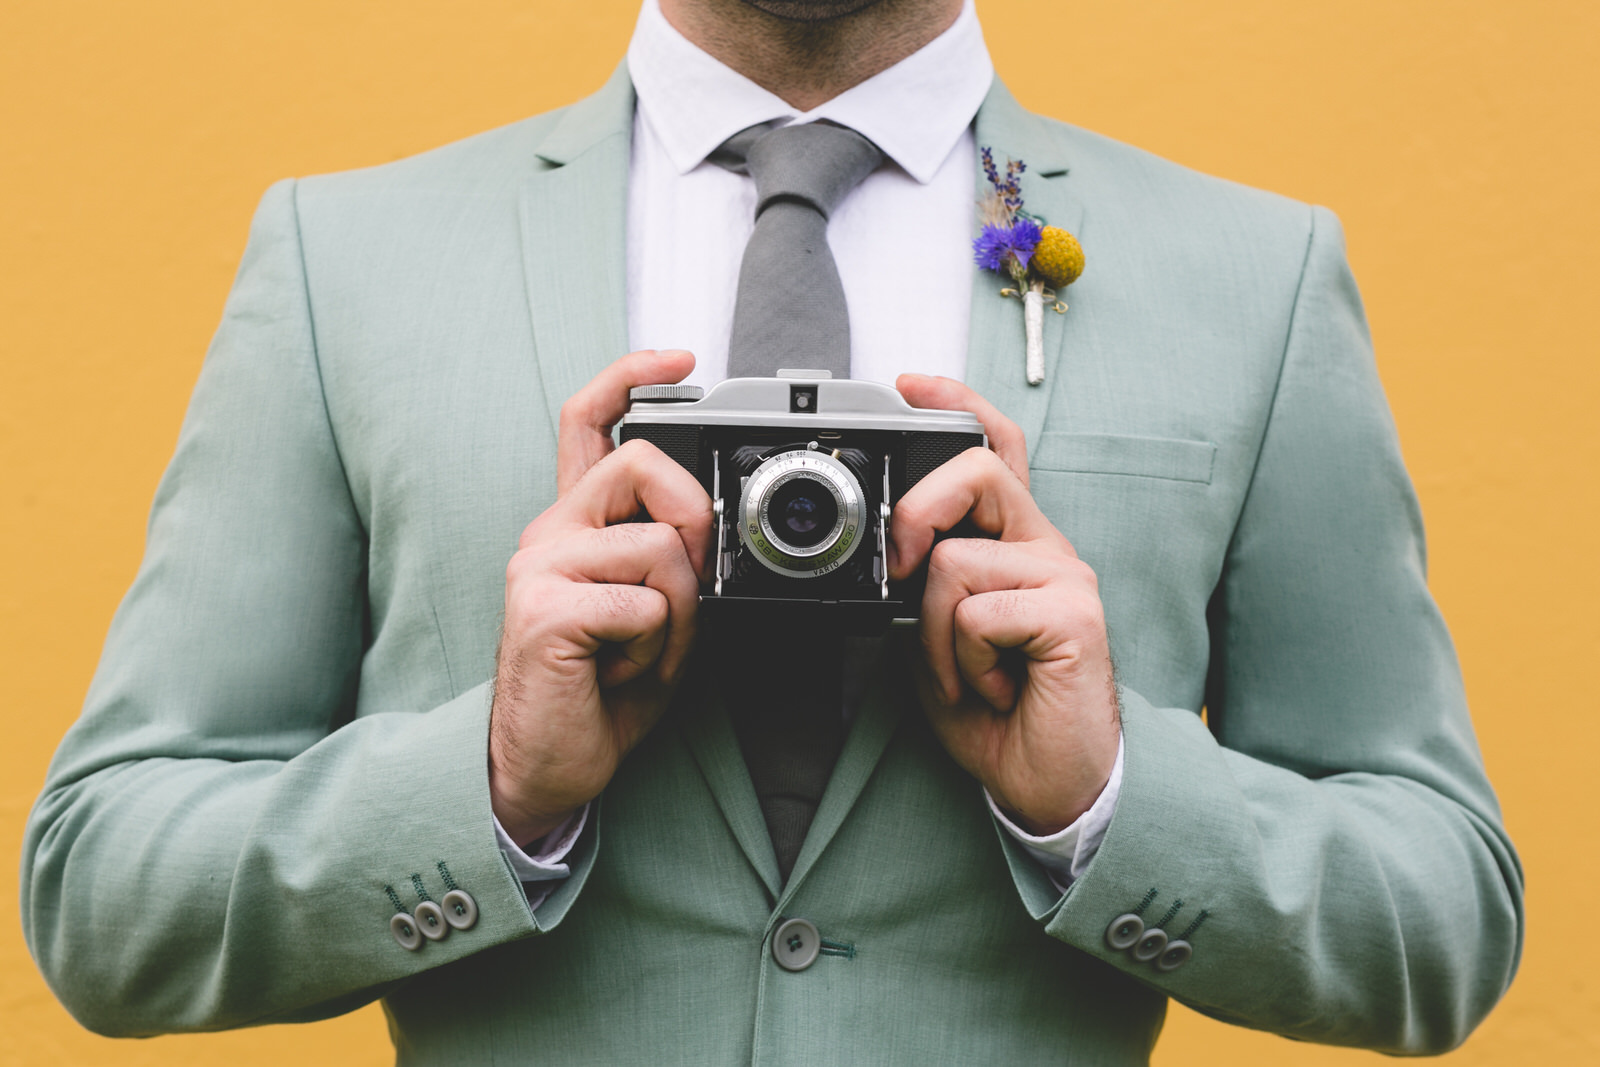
<point>961,567</point>
<point>636,477</point>
<point>960,726</point>
<point>989,625</point>
<point>947,394</point>
<point>976,484</point>
<point>588,416</point>
<point>632,619</point>
<point>643,553</point>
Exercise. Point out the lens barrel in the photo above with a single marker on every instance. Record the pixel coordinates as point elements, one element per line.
<point>801,512</point>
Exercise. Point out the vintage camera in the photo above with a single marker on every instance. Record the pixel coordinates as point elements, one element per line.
<point>803,472</point>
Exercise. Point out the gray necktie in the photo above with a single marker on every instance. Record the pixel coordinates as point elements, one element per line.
<point>783,684</point>
<point>791,310</point>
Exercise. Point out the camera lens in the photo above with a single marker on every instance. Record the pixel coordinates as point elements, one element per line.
<point>803,512</point>
<point>800,513</point>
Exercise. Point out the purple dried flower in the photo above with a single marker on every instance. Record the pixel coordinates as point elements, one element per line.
<point>995,245</point>
<point>989,168</point>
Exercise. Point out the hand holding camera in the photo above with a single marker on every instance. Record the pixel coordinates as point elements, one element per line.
<point>600,611</point>
<point>776,496</point>
<point>1014,671</point>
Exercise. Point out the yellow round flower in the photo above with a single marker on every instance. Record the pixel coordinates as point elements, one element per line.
<point>1058,258</point>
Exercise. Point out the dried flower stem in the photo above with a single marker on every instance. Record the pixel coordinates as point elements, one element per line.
<point>1033,328</point>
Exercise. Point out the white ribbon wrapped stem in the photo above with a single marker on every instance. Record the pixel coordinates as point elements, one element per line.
<point>1033,327</point>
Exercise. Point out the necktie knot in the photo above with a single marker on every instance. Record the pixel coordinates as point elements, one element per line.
<point>816,163</point>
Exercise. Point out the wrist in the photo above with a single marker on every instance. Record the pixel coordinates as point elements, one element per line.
<point>1048,815</point>
<point>524,821</point>
<point>1036,826</point>
<point>524,829</point>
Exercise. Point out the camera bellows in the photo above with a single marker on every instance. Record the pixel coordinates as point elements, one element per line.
<point>784,689</point>
<point>790,310</point>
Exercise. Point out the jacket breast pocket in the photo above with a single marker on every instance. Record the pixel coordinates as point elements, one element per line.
<point>1143,512</point>
<point>1110,453</point>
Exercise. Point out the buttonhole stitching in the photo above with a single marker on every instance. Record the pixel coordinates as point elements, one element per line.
<point>1195,925</point>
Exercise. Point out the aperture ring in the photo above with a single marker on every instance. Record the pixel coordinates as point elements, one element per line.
<point>830,553</point>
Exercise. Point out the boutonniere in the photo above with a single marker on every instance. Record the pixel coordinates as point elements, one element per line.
<point>1040,259</point>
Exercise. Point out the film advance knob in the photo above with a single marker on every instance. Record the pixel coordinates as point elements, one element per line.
<point>665,394</point>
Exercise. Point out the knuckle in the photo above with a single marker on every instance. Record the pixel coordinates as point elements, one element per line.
<point>637,451</point>
<point>976,456</point>
<point>970,615</point>
<point>956,556</point>
<point>1006,604</point>
<point>1075,569</point>
<point>627,535</point>
<point>947,558</point>
<point>576,409</point>
<point>657,540</point>
<point>524,563</point>
<point>527,608</point>
<point>610,601</point>
<point>1083,615</point>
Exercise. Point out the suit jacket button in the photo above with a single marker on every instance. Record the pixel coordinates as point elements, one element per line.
<point>430,920</point>
<point>405,932</point>
<point>1175,956</point>
<point>460,910</point>
<point>1150,945</point>
<point>1124,931</point>
<point>795,945</point>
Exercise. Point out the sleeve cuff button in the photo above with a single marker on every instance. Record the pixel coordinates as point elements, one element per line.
<point>1150,945</point>
<point>405,932</point>
<point>430,920</point>
<point>1176,955</point>
<point>460,910</point>
<point>1124,931</point>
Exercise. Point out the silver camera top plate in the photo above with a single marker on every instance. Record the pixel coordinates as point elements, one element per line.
<point>764,403</point>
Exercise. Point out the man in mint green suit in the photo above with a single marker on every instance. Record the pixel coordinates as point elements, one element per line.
<point>285,757</point>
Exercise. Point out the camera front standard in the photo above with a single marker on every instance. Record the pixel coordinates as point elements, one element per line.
<point>803,473</point>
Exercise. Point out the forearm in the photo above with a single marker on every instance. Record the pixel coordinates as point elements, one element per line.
<point>1321,907</point>
<point>1329,825</point>
<point>216,839</point>
<point>192,893</point>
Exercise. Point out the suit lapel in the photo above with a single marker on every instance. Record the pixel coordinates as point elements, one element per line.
<point>995,346</point>
<point>711,739</point>
<point>875,723</point>
<point>574,243</point>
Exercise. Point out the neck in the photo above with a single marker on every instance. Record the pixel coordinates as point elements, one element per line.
<point>809,63</point>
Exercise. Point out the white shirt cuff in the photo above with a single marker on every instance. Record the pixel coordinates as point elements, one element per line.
<point>541,866</point>
<point>1065,855</point>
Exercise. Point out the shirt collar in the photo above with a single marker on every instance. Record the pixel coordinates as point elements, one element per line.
<point>915,111</point>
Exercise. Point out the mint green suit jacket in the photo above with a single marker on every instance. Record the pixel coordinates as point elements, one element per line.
<point>289,722</point>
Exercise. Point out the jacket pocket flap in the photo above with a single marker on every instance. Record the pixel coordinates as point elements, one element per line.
<point>1111,453</point>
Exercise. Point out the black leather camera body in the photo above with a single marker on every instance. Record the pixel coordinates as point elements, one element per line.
<point>803,473</point>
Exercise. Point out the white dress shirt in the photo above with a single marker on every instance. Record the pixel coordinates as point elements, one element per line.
<point>902,240</point>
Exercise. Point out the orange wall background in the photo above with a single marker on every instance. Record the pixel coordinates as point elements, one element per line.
<point>1457,142</point>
